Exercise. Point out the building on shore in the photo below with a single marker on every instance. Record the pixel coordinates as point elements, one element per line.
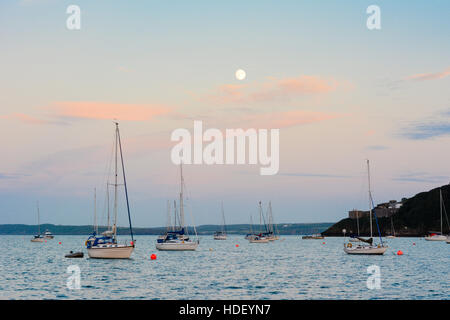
<point>382,210</point>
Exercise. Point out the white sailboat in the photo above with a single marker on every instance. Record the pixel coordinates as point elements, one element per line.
<point>222,234</point>
<point>366,246</point>
<point>178,240</point>
<point>392,235</point>
<point>106,246</point>
<point>438,236</point>
<point>272,232</point>
<point>260,237</point>
<point>38,237</point>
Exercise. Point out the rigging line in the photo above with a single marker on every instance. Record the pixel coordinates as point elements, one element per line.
<point>105,180</point>
<point>125,183</point>
<point>445,211</point>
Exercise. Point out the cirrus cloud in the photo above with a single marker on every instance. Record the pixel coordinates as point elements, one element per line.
<point>106,110</point>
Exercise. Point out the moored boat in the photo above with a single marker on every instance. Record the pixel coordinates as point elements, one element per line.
<point>366,246</point>
<point>177,237</point>
<point>435,235</point>
<point>38,237</point>
<point>106,246</point>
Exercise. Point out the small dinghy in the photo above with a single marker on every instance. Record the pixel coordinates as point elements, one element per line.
<point>74,255</point>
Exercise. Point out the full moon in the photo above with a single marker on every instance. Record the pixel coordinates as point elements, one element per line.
<point>240,74</point>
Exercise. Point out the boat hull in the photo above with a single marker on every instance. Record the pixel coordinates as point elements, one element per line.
<point>220,237</point>
<point>177,246</point>
<point>436,238</point>
<point>37,240</point>
<point>110,252</point>
<point>365,250</point>
<point>259,240</point>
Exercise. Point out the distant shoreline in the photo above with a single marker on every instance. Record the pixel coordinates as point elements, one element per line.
<point>241,229</point>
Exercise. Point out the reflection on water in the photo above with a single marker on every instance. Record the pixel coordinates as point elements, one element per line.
<point>290,268</point>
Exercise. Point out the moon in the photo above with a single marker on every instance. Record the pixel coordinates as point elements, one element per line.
<point>240,74</point>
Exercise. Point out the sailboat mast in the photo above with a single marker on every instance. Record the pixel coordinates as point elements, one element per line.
<point>39,224</point>
<point>357,220</point>
<point>223,219</point>
<point>107,200</point>
<point>181,197</point>
<point>115,183</point>
<point>124,183</point>
<point>95,211</point>
<point>168,216</point>
<point>370,197</point>
<point>260,217</point>
<point>440,200</point>
<point>174,215</point>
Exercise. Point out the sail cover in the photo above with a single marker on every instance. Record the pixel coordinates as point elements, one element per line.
<point>369,241</point>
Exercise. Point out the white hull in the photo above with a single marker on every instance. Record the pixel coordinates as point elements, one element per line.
<point>365,250</point>
<point>177,246</point>
<point>436,238</point>
<point>220,237</point>
<point>448,240</point>
<point>110,252</point>
<point>391,237</point>
<point>37,240</point>
<point>259,240</point>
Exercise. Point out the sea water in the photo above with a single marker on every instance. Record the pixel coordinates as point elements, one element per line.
<point>290,268</point>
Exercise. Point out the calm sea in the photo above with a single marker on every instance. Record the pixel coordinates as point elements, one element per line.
<point>290,268</point>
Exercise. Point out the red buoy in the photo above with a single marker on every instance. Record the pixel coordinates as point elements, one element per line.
<point>59,242</point>
<point>414,243</point>
<point>153,256</point>
<point>399,252</point>
<point>237,245</point>
<point>323,242</point>
<point>132,243</point>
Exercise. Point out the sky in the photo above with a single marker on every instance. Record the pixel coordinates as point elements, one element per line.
<point>339,93</point>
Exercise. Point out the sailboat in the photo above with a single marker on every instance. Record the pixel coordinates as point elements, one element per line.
<point>438,236</point>
<point>366,246</point>
<point>392,235</point>
<point>271,233</point>
<point>222,234</point>
<point>177,239</point>
<point>248,236</point>
<point>38,237</point>
<point>260,237</point>
<point>106,246</point>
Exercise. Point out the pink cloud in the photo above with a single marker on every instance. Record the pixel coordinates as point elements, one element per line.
<point>273,89</point>
<point>285,119</point>
<point>107,111</point>
<point>307,85</point>
<point>25,118</point>
<point>430,76</point>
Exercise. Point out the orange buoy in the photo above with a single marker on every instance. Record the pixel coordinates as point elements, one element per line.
<point>399,252</point>
<point>153,256</point>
